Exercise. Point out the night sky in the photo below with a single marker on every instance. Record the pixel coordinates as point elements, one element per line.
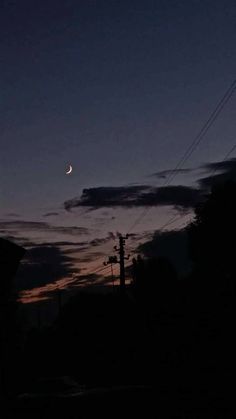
<point>117,89</point>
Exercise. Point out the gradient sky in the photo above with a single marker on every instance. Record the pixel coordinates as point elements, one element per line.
<point>118,89</point>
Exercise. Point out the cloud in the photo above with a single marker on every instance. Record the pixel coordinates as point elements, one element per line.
<point>219,172</point>
<point>86,279</point>
<point>50,214</point>
<point>136,196</point>
<point>103,240</point>
<point>79,245</point>
<point>76,246</point>
<point>64,244</point>
<point>43,265</point>
<point>23,225</point>
<point>12,214</point>
<point>21,241</point>
<point>109,196</point>
<point>91,257</point>
<point>50,290</point>
<point>178,196</point>
<point>17,226</point>
<point>222,166</point>
<point>166,173</point>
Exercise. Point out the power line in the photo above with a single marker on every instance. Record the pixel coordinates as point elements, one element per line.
<point>100,269</point>
<point>207,125</point>
<point>196,141</point>
<point>172,221</point>
<point>176,218</point>
<point>230,152</point>
<point>187,154</point>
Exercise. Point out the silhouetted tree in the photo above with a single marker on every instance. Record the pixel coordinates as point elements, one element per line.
<point>10,256</point>
<point>212,234</point>
<point>212,245</point>
<point>152,276</point>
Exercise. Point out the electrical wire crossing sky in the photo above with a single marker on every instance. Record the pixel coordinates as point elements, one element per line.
<point>114,116</point>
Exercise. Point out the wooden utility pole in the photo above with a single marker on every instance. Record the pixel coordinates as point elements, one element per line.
<point>121,251</point>
<point>121,261</point>
<point>59,296</point>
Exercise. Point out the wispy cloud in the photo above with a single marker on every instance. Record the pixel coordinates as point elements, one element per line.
<point>43,265</point>
<point>18,226</point>
<point>99,241</point>
<point>73,283</point>
<point>51,214</point>
<point>163,174</point>
<point>12,214</point>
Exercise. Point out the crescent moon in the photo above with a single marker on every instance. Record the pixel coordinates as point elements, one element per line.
<point>69,170</point>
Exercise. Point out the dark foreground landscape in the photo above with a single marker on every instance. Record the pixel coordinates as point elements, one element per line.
<point>163,347</point>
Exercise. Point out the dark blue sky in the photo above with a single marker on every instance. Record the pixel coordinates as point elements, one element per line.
<point>116,88</point>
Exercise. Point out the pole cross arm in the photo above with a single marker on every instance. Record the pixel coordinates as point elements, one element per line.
<point>111,260</point>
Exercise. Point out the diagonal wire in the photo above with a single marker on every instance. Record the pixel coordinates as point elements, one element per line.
<point>199,137</point>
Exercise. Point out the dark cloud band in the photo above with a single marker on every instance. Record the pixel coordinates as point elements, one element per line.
<point>137,196</point>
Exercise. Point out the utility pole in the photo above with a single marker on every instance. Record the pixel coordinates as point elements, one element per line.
<point>39,316</point>
<point>59,296</point>
<point>121,261</point>
<point>121,251</point>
